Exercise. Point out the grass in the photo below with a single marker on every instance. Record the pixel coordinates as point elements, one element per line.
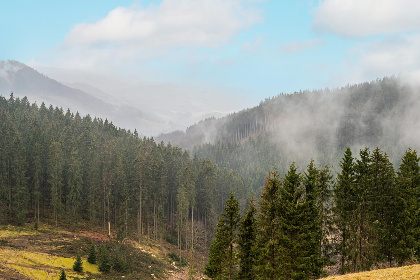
<point>405,272</point>
<point>37,265</point>
<point>43,253</point>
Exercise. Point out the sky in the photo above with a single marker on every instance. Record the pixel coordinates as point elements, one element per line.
<point>246,50</point>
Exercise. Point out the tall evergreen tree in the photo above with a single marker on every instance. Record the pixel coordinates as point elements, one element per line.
<point>344,209</point>
<point>383,206</point>
<point>364,231</point>
<point>55,179</point>
<point>312,188</point>
<point>269,259</point>
<point>222,257</point>
<point>408,187</point>
<point>246,244</point>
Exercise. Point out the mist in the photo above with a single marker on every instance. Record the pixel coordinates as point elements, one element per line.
<point>305,125</point>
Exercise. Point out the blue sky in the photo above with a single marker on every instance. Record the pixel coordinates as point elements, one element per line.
<point>253,49</point>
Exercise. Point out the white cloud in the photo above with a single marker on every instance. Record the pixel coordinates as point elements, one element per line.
<point>359,18</point>
<point>297,46</point>
<point>394,55</point>
<point>174,23</point>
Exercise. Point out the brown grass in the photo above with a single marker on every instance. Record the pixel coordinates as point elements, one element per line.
<point>404,272</point>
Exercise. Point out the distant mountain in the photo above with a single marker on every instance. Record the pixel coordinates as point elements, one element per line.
<point>23,81</point>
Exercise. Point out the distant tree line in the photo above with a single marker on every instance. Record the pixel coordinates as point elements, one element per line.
<point>305,225</point>
<point>69,170</point>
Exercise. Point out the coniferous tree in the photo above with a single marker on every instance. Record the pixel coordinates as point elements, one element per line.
<point>246,244</point>
<point>63,275</point>
<point>78,264</point>
<point>74,185</point>
<point>222,259</point>
<point>313,211</point>
<point>325,202</point>
<point>268,251</point>
<point>92,254</point>
<point>55,178</point>
<point>344,209</point>
<point>408,227</point>
<point>104,263</point>
<point>383,206</point>
<point>363,253</point>
<point>300,240</point>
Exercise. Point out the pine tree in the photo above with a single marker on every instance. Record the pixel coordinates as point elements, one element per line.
<point>311,183</point>
<point>384,210</point>
<point>408,186</point>
<point>92,254</point>
<point>222,257</point>
<point>246,244</point>
<point>268,249</point>
<point>300,240</point>
<point>327,220</point>
<point>55,178</point>
<point>364,233</point>
<point>104,264</point>
<point>63,275</point>
<point>78,264</point>
<point>344,209</point>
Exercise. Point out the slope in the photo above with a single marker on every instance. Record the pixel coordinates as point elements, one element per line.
<point>25,81</point>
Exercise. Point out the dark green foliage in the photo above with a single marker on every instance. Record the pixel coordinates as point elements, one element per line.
<point>66,169</point>
<point>408,190</point>
<point>104,264</point>
<point>222,258</point>
<point>78,264</point>
<point>92,254</point>
<point>344,207</point>
<point>246,244</point>
<point>63,275</point>
<point>268,223</point>
<point>119,263</point>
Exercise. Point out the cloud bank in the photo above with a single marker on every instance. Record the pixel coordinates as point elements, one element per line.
<point>355,18</point>
<point>174,23</point>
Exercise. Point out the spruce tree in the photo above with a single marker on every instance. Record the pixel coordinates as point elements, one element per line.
<point>408,186</point>
<point>246,244</point>
<point>104,264</point>
<point>63,275</point>
<point>78,264</point>
<point>363,251</point>
<point>222,259</point>
<point>268,264</point>
<point>312,192</point>
<point>92,254</point>
<point>300,240</point>
<point>344,209</point>
<point>384,207</point>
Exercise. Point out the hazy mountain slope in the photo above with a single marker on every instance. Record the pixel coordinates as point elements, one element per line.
<point>24,81</point>
<point>310,124</point>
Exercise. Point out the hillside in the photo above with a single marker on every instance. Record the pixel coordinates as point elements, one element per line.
<point>317,124</point>
<point>38,254</point>
<point>24,81</point>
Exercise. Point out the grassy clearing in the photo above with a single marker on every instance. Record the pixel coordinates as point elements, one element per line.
<point>12,231</point>
<point>26,253</point>
<point>36,265</point>
<point>405,272</point>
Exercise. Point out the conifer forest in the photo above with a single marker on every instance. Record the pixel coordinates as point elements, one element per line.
<point>251,219</point>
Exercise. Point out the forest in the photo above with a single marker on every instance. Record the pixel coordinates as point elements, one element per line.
<point>318,124</point>
<point>307,225</point>
<point>340,214</point>
<point>74,171</point>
